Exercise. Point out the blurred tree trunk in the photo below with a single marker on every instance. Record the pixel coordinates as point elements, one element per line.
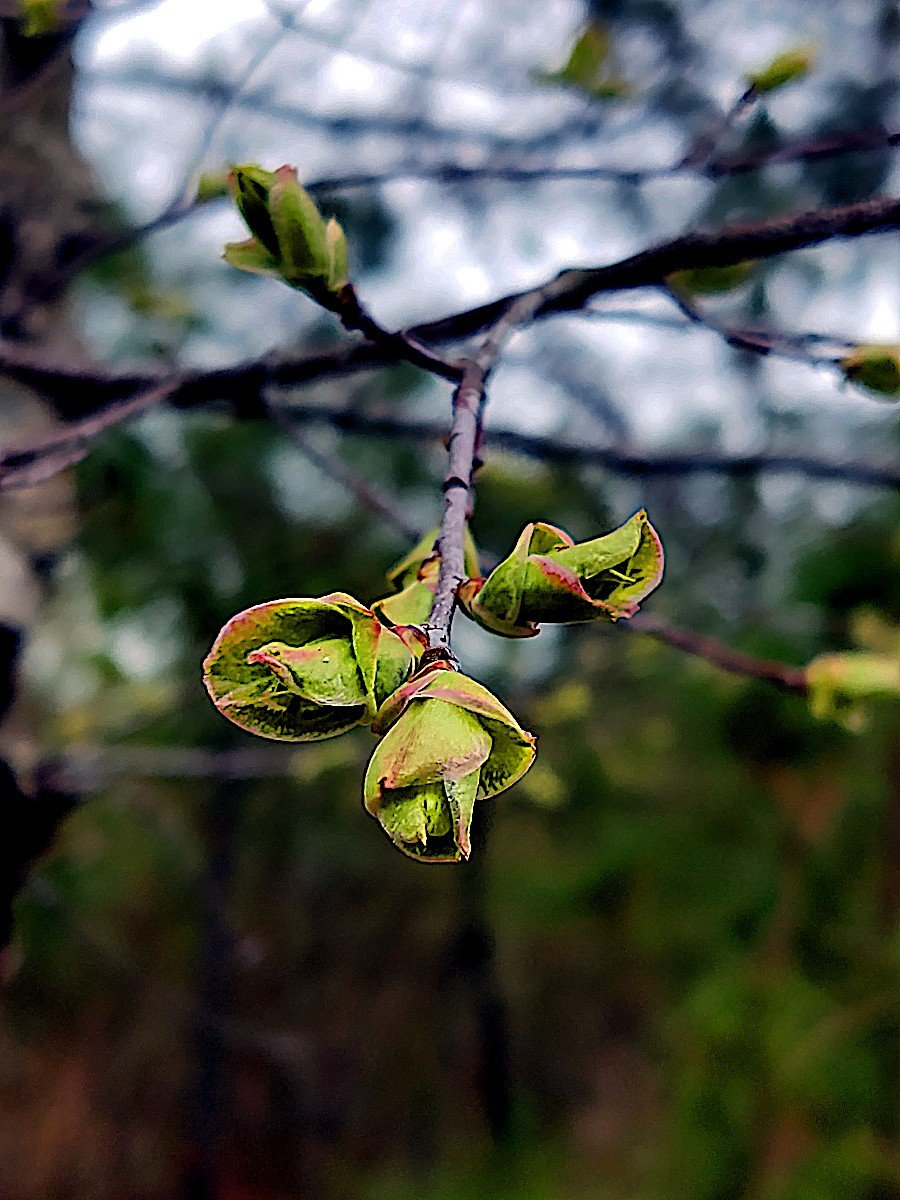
<point>49,213</point>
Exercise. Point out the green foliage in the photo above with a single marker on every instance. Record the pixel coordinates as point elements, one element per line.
<point>447,743</point>
<point>874,367</point>
<point>291,239</point>
<point>783,69</point>
<point>840,685</point>
<point>712,281</point>
<point>550,578</point>
<point>590,66</point>
<point>301,670</point>
<point>40,16</point>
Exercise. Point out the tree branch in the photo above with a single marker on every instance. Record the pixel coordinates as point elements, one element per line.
<point>717,654</point>
<point>35,463</point>
<point>620,462</point>
<point>568,291</point>
<point>712,651</point>
<point>463,449</point>
<point>795,346</point>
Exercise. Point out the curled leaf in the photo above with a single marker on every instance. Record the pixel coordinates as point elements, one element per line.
<point>447,743</point>
<point>303,669</point>
<point>549,578</point>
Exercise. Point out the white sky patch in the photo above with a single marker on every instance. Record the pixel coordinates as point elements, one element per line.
<point>180,29</point>
<point>352,78</point>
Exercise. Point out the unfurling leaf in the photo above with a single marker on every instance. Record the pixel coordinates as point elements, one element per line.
<point>874,367</point>
<point>416,577</point>
<point>447,743</point>
<point>590,66</point>
<point>784,68</point>
<point>548,578</point>
<point>290,239</point>
<point>840,685</point>
<point>303,669</point>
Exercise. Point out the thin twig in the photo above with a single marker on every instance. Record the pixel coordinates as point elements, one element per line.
<point>700,158</point>
<point>35,463</point>
<point>621,462</point>
<point>795,346</point>
<point>569,291</point>
<point>717,654</point>
<point>332,465</point>
<point>402,345</point>
<point>712,651</point>
<point>462,462</point>
<point>703,149</point>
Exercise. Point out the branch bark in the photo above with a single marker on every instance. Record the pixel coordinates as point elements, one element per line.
<point>717,654</point>
<point>568,291</point>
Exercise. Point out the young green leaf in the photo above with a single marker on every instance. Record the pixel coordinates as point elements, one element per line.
<point>447,743</point>
<point>783,69</point>
<point>304,669</point>
<point>874,367</point>
<point>548,578</point>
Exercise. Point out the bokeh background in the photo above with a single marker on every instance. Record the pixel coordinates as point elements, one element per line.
<point>671,967</point>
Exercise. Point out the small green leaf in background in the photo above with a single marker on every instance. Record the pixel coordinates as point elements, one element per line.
<point>874,367</point>
<point>41,16</point>
<point>783,69</point>
<point>590,66</point>
<point>842,684</point>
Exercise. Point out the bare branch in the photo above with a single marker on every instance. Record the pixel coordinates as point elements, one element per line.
<point>717,654</point>
<point>332,465</point>
<point>463,450</point>
<point>35,463</point>
<point>796,346</point>
<point>569,291</point>
<point>620,462</point>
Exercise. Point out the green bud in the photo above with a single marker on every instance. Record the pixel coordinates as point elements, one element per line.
<point>290,237</point>
<point>875,367</point>
<point>448,743</point>
<point>550,578</point>
<point>212,185</point>
<point>336,251</point>
<point>841,684</point>
<point>416,577</point>
<point>783,69</point>
<point>300,670</point>
<point>252,185</point>
<point>590,66</point>
<point>300,231</point>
